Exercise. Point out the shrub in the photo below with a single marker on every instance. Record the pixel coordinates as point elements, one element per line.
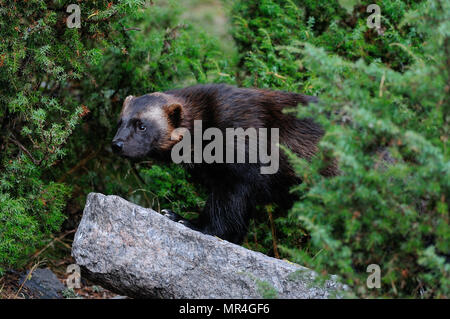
<point>386,117</point>
<point>53,77</point>
<point>263,29</point>
<point>41,62</point>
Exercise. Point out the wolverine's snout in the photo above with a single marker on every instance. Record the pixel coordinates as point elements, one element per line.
<point>117,146</point>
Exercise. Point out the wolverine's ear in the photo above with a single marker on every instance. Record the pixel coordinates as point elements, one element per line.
<point>126,102</point>
<point>174,114</point>
<point>128,99</point>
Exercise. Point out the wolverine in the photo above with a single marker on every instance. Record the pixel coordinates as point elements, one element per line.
<point>149,124</point>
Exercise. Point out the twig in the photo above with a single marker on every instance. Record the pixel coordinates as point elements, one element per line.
<point>78,165</point>
<point>131,29</point>
<point>141,181</point>
<point>255,235</point>
<point>380,93</point>
<point>137,174</point>
<point>26,279</point>
<point>50,243</point>
<point>62,243</point>
<point>274,237</point>
<point>277,75</point>
<point>23,148</point>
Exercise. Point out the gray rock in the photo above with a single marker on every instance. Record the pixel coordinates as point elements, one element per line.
<point>43,284</point>
<point>137,252</point>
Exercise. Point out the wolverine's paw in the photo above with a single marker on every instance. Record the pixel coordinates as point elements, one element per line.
<point>177,218</point>
<point>189,224</point>
<point>171,215</point>
<point>185,222</point>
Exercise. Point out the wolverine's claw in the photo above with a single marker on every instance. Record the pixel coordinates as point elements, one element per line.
<point>171,215</point>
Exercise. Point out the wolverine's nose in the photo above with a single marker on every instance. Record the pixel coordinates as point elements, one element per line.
<point>117,146</point>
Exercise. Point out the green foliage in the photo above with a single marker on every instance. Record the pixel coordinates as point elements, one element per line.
<point>265,31</point>
<point>69,293</point>
<point>383,102</point>
<point>385,108</point>
<point>266,290</point>
<point>53,77</point>
<point>171,190</point>
<point>41,60</point>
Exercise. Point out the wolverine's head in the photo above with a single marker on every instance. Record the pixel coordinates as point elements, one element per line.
<point>145,125</point>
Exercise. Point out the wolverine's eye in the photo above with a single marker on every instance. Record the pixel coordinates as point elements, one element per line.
<point>140,126</point>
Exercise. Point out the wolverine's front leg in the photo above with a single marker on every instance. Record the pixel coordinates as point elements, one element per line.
<point>179,219</point>
<point>226,214</point>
